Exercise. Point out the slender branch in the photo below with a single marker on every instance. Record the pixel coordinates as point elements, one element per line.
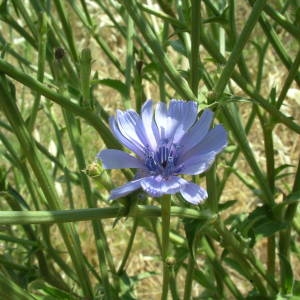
<point>239,46</point>
<point>165,216</point>
<point>177,81</point>
<point>85,214</point>
<point>63,101</point>
<point>195,42</point>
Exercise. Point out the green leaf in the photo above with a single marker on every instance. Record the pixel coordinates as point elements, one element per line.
<point>10,290</point>
<point>127,284</point>
<point>218,19</point>
<point>242,227</point>
<point>263,222</point>
<point>14,198</point>
<point>290,199</point>
<point>203,279</point>
<point>235,266</point>
<point>227,204</point>
<point>126,287</point>
<point>150,68</point>
<point>48,291</point>
<point>193,229</point>
<point>267,228</point>
<point>279,169</point>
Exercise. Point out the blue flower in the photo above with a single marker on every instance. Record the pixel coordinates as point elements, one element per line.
<point>167,143</point>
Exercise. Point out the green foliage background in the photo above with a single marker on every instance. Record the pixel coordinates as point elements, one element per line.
<point>66,66</point>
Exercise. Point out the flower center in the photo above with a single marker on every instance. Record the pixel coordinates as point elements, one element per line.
<point>163,161</point>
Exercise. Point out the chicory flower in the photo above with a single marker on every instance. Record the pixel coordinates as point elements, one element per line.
<point>167,141</point>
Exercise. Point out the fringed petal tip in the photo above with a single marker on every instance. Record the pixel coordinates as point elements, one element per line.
<point>193,193</point>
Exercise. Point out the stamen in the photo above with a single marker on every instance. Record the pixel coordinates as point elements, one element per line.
<point>163,162</point>
<point>163,154</point>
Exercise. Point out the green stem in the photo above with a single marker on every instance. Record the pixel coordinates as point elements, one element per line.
<point>248,89</point>
<point>238,48</point>
<point>167,18</point>
<point>177,80</point>
<point>44,267</point>
<point>285,235</point>
<point>129,60</point>
<point>129,247</point>
<point>235,155</point>
<point>41,69</point>
<point>281,20</point>
<point>173,284</point>
<point>234,122</point>
<point>269,150</point>
<point>218,268</point>
<point>195,41</point>
<point>161,78</point>
<point>60,159</point>
<point>20,29</point>
<point>244,256</point>
<point>261,101</point>
<point>239,257</point>
<point>85,214</point>
<point>189,278</point>
<point>233,36</point>
<point>262,51</point>
<point>212,189</point>
<point>267,128</point>
<point>12,113</point>
<point>65,102</point>
<point>74,134</point>
<point>67,29</point>
<point>294,70</point>
<point>27,18</point>
<point>156,229</point>
<point>165,216</point>
<point>85,74</point>
<point>107,9</point>
<point>9,287</point>
<point>271,255</point>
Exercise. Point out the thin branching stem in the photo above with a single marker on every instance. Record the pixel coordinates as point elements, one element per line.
<point>165,216</point>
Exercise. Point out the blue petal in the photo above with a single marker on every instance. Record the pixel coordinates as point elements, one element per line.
<point>198,164</point>
<point>161,119</point>
<point>130,125</point>
<point>193,193</point>
<point>150,127</point>
<point>125,189</point>
<point>117,159</point>
<point>174,122</point>
<point>183,114</point>
<point>214,141</point>
<point>157,186</point>
<point>127,142</point>
<point>196,133</point>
